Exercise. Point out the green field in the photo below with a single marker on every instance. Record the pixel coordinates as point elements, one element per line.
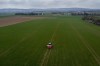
<point>76,43</point>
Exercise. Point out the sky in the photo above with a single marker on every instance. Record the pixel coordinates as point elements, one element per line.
<point>28,4</point>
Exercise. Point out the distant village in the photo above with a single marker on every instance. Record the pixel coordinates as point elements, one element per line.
<point>39,13</point>
<point>91,17</point>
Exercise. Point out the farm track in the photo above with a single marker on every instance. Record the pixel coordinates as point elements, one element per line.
<point>91,50</point>
<point>48,51</point>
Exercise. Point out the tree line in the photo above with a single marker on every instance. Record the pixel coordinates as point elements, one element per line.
<point>28,13</point>
<point>92,19</point>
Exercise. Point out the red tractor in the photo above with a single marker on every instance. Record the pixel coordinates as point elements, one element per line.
<point>49,46</point>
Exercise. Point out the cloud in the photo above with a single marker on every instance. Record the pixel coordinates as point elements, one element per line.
<point>49,3</point>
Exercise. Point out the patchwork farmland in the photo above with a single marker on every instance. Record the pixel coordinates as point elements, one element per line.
<point>76,42</point>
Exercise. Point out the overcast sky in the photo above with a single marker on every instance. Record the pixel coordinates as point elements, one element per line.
<point>49,4</point>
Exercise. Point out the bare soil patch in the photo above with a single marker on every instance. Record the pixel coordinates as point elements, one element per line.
<point>16,19</point>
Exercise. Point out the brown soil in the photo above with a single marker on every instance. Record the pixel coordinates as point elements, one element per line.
<point>16,19</point>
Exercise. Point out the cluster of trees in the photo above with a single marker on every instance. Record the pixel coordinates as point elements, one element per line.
<point>28,13</point>
<point>92,19</point>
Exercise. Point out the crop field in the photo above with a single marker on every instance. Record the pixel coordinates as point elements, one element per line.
<point>76,43</point>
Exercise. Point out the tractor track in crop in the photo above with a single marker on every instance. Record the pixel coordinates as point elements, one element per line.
<point>18,43</point>
<point>86,44</point>
<point>48,51</point>
<point>15,45</point>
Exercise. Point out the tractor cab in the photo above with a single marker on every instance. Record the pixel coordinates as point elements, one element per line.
<point>49,45</point>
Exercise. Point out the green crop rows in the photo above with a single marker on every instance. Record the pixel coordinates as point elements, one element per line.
<point>76,43</point>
